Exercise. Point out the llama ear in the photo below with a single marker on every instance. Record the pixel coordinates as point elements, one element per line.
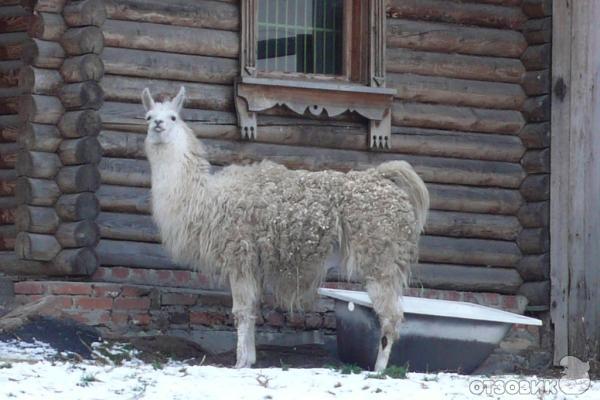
<point>179,99</point>
<point>147,100</point>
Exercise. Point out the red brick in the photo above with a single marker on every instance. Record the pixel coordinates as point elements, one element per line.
<point>313,320</point>
<point>134,291</point>
<point>28,287</point>
<point>70,288</point>
<point>132,303</point>
<point>62,302</point>
<point>101,274</point>
<point>21,299</point>
<point>207,318</point>
<point>491,299</point>
<point>509,302</point>
<point>163,276</point>
<point>93,303</point>
<point>182,278</point>
<point>106,290</point>
<point>139,276</point>
<point>186,299</point>
<point>141,319</point>
<point>120,272</point>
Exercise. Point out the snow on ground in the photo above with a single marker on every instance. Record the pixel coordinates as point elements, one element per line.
<point>36,371</point>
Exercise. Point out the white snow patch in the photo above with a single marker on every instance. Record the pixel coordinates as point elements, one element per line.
<point>25,374</point>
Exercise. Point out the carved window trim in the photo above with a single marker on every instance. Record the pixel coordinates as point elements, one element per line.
<point>364,93</point>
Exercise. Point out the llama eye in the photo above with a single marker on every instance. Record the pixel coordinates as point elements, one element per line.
<point>148,118</point>
<point>173,118</point>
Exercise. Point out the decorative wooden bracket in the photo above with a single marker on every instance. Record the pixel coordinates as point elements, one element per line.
<point>253,95</point>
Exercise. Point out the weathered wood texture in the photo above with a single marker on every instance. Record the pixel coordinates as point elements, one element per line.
<point>575,179</point>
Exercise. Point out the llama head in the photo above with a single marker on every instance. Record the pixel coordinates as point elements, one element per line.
<point>164,120</point>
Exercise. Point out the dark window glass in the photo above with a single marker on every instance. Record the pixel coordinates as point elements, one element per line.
<point>300,36</point>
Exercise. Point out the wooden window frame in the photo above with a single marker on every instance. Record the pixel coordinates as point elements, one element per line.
<point>360,88</point>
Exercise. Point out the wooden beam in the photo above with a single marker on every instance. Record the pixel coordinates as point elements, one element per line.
<point>79,178</point>
<point>535,267</point>
<point>82,233</point>
<point>36,219</point>
<point>535,215</point>
<point>87,67</point>
<point>40,109</point>
<point>439,249</point>
<point>82,95</point>
<point>74,124</point>
<point>33,246</point>
<point>39,81</point>
<point>55,6</point>
<point>536,136</point>
<point>38,137</point>
<point>78,41</point>
<point>36,192</point>
<point>80,261</point>
<point>85,150</point>
<point>470,225</point>
<point>85,12</point>
<point>37,164</point>
<point>43,53</point>
<point>78,206</point>
<point>46,26</point>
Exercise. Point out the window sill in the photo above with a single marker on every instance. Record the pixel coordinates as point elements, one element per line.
<point>253,95</point>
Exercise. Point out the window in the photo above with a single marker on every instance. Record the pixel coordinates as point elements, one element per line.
<point>317,56</point>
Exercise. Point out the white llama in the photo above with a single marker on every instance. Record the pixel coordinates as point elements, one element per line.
<point>265,227</point>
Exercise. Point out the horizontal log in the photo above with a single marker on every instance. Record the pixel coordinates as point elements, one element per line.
<point>451,38</point>
<point>74,124</point>
<point>133,254</point>
<point>46,26</point>
<point>78,41</point>
<point>78,206</point>
<point>38,137</point>
<point>435,170</point>
<point>36,192</point>
<point>404,140</point>
<point>537,109</point>
<point>535,215</point>
<point>79,178</point>
<point>8,235</point>
<point>8,155</point>
<point>538,293</point>
<point>82,68</point>
<point>7,216</point>
<point>40,109</point>
<point>537,8</point>
<point>472,199</point>
<point>82,95</point>
<point>33,246</point>
<point>124,199</point>
<point>456,118</point>
<point>536,161</point>
<point>198,95</point>
<point>200,14</point>
<point>458,92</point>
<point>438,249</point>
<point>11,21</point>
<point>7,202</point>
<point>77,262</point>
<point>8,179</point>
<point>9,73</point>
<point>43,53</point>
<point>11,45</point>
<point>135,227</point>
<point>538,31</point>
<point>9,105</point>
<point>78,234</point>
<point>484,226</point>
<point>536,82</point>
<point>36,219</point>
<point>86,150</point>
<point>537,57</point>
<point>460,66</point>
<point>85,12</point>
<point>37,164</point>
<point>535,267</point>
<point>55,6</point>
<point>40,81</point>
<point>536,187</point>
<point>161,65</point>
<point>466,278</point>
<point>534,241</point>
<point>487,15</point>
<point>536,136</point>
<point>10,126</point>
<point>172,39</point>
<point>11,265</point>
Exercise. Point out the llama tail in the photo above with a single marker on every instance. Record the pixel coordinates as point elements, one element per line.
<point>403,175</point>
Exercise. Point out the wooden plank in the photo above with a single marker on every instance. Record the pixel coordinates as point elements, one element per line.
<point>134,254</point>
<point>487,15</point>
<point>150,64</point>
<point>470,225</point>
<point>432,169</point>
<point>452,38</point>
<point>172,39</point>
<point>457,92</point>
<point>466,278</point>
<point>199,14</point>
<point>457,118</point>
<point>135,227</point>
<point>461,66</point>
<point>439,249</point>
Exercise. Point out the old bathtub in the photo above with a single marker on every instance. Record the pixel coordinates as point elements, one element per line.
<point>437,335</point>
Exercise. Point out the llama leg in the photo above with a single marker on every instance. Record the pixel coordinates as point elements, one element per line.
<point>244,291</point>
<point>385,303</point>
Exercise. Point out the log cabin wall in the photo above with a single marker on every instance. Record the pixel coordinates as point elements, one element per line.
<point>472,79</point>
